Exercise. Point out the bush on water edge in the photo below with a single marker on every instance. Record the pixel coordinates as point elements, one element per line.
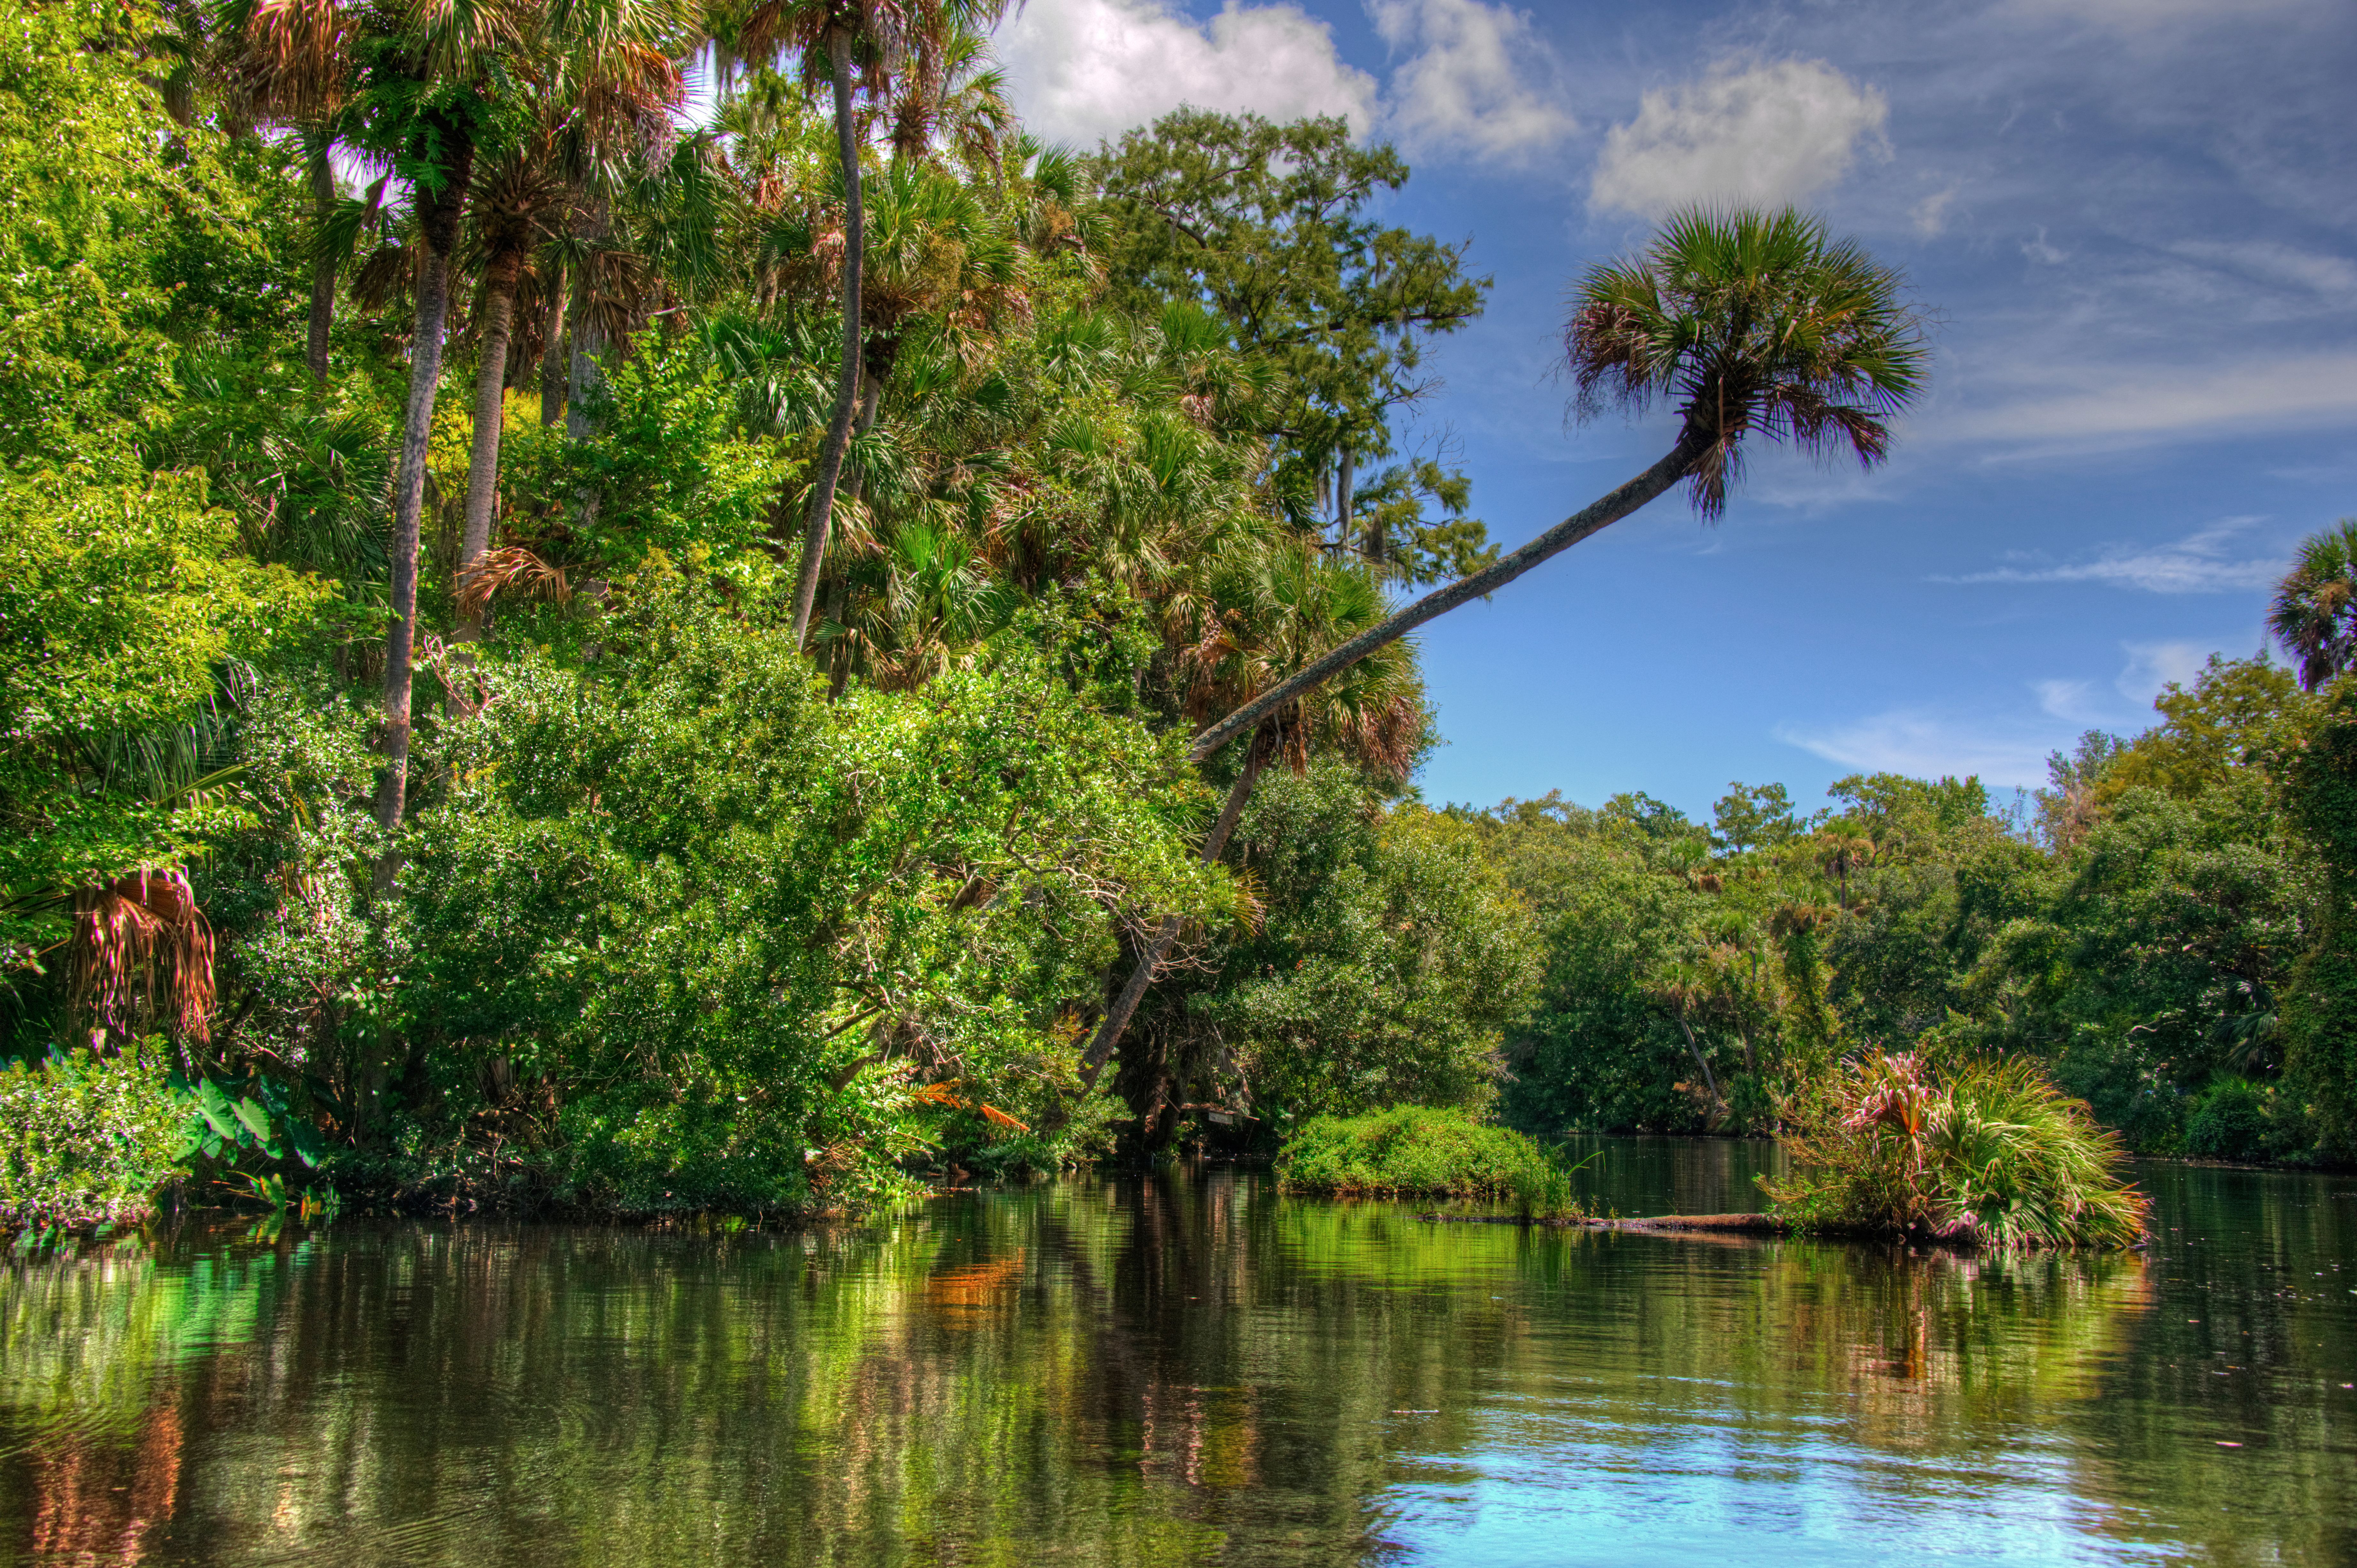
<point>1986,1152</point>
<point>1422,1151</point>
<point>87,1138</point>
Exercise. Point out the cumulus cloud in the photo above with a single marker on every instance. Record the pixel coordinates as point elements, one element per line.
<point>1086,69</point>
<point>2197,563</point>
<point>1768,132</point>
<point>2125,404</point>
<point>1926,744</point>
<point>1477,79</point>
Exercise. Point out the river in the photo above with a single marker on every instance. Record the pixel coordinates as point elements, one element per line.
<point>1192,1367</point>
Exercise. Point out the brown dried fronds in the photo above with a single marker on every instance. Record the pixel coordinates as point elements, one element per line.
<point>140,948</point>
<point>511,569</point>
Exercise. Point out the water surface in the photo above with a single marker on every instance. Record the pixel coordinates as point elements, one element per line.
<point>1191,1368</point>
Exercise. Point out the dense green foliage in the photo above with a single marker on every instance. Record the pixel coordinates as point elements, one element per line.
<point>84,1138</point>
<point>1410,1152</point>
<point>2157,929</point>
<point>666,913</point>
<point>670,915</point>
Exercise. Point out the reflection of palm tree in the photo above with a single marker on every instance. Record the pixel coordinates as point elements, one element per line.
<point>2315,611</point>
<point>1754,323</point>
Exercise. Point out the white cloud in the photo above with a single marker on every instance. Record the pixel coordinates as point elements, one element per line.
<point>1930,214</point>
<point>2071,700</point>
<point>2195,564</point>
<point>2335,277</point>
<point>2149,402</point>
<point>1477,78</point>
<point>2153,665</point>
<point>1769,133</point>
<point>1926,744</point>
<point>2039,251</point>
<point>1085,69</point>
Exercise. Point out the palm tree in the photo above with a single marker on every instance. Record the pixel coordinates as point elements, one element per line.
<point>1754,322</point>
<point>1682,988</point>
<point>422,98</point>
<point>611,73</point>
<point>2315,610</point>
<point>293,65</point>
<point>882,31</point>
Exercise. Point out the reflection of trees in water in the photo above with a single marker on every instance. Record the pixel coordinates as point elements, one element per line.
<point>1140,1372</point>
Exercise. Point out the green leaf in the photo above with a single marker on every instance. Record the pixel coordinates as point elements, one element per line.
<point>257,1121</point>
<point>304,1139</point>
<point>213,1104</point>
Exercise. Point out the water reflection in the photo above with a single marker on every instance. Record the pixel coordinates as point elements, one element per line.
<point>1183,1370</point>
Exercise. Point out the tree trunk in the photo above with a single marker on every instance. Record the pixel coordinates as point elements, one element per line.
<point>490,401</point>
<point>584,375</point>
<point>1611,509</point>
<point>1342,502</point>
<point>1708,1081</point>
<point>552,353</point>
<point>439,228</point>
<point>323,265</point>
<point>846,392</point>
<point>1165,935</point>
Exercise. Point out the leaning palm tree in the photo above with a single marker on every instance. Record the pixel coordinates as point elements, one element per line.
<point>1754,323</point>
<point>2315,610</point>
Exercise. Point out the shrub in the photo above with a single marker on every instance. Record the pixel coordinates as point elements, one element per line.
<point>86,1137</point>
<point>1994,1153</point>
<point>2233,1119</point>
<point>1423,1151</point>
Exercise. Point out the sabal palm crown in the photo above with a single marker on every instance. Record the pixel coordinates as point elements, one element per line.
<point>2315,611</point>
<point>1754,323</point>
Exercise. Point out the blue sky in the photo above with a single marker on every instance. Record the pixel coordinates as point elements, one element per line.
<point>2134,221</point>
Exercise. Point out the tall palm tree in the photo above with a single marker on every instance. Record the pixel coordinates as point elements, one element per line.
<point>2315,611</point>
<point>292,65</point>
<point>428,79</point>
<point>1754,322</point>
<point>609,74</point>
<point>881,34</point>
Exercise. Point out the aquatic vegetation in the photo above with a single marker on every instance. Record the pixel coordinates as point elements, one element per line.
<point>1423,1152</point>
<point>1988,1152</point>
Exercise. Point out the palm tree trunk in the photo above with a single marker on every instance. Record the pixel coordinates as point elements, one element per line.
<point>438,226</point>
<point>323,265</point>
<point>491,400</point>
<point>846,390</point>
<point>1165,935</point>
<point>1342,502</point>
<point>1610,510</point>
<point>552,353</point>
<point>1708,1081</point>
<point>584,374</point>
